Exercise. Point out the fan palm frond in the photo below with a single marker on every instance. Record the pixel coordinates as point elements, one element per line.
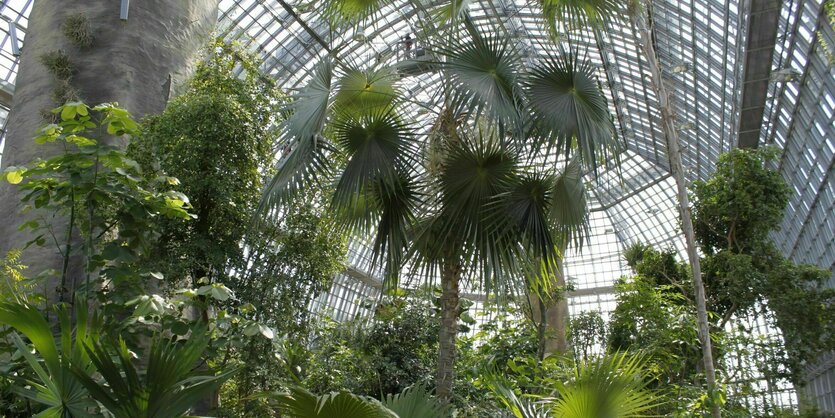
<point>611,386</point>
<point>169,387</point>
<point>569,107</point>
<point>475,172</point>
<point>485,74</point>
<point>299,403</point>
<point>351,11</point>
<point>581,13</point>
<point>378,147</point>
<point>518,406</point>
<point>57,388</point>
<point>306,160</point>
<point>398,203</point>
<point>366,92</point>
<point>526,204</point>
<point>415,402</point>
<point>568,209</point>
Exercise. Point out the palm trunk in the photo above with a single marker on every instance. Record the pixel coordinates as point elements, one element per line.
<point>639,20</point>
<point>550,314</point>
<point>450,278</point>
<point>131,62</point>
<point>556,317</point>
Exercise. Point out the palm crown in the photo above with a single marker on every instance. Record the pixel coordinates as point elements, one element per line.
<point>494,187</point>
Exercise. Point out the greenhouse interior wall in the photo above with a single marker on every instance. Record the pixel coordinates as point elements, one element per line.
<point>710,51</point>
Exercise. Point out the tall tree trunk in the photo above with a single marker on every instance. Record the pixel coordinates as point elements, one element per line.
<point>556,316</point>
<point>639,20</point>
<point>450,278</point>
<point>133,62</point>
<point>550,313</point>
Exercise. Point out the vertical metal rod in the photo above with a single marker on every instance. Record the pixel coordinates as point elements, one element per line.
<point>123,10</point>
<point>13,38</point>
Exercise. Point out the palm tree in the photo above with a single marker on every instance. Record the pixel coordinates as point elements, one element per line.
<point>488,193</point>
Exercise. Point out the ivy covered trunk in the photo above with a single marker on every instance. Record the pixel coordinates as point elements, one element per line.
<point>450,278</point>
<point>84,51</point>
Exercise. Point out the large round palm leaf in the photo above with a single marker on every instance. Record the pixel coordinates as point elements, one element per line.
<point>580,13</point>
<point>397,201</point>
<point>568,207</point>
<point>614,386</point>
<point>415,402</point>
<point>526,204</point>
<point>365,92</point>
<point>299,403</point>
<point>485,75</point>
<point>568,106</point>
<point>475,173</point>
<point>378,148</point>
<point>306,161</point>
<point>351,11</point>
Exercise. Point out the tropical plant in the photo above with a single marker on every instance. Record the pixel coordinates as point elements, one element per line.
<point>289,262</point>
<point>465,200</point>
<point>412,402</point>
<point>170,385</point>
<point>54,384</point>
<point>520,407</point>
<point>587,332</point>
<point>415,402</point>
<point>299,403</point>
<point>393,351</point>
<point>735,212</point>
<point>92,203</point>
<point>614,386</point>
<point>221,124</point>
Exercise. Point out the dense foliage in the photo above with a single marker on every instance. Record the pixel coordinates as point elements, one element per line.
<point>164,275</point>
<point>218,139</point>
<point>747,281</point>
<point>214,138</point>
<point>735,211</point>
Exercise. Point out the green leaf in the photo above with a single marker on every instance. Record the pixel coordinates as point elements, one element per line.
<point>14,175</point>
<point>365,92</point>
<point>221,293</point>
<point>80,140</point>
<point>68,112</point>
<point>568,107</point>
<point>299,403</point>
<point>32,224</point>
<point>251,329</point>
<point>485,73</point>
<point>307,160</point>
